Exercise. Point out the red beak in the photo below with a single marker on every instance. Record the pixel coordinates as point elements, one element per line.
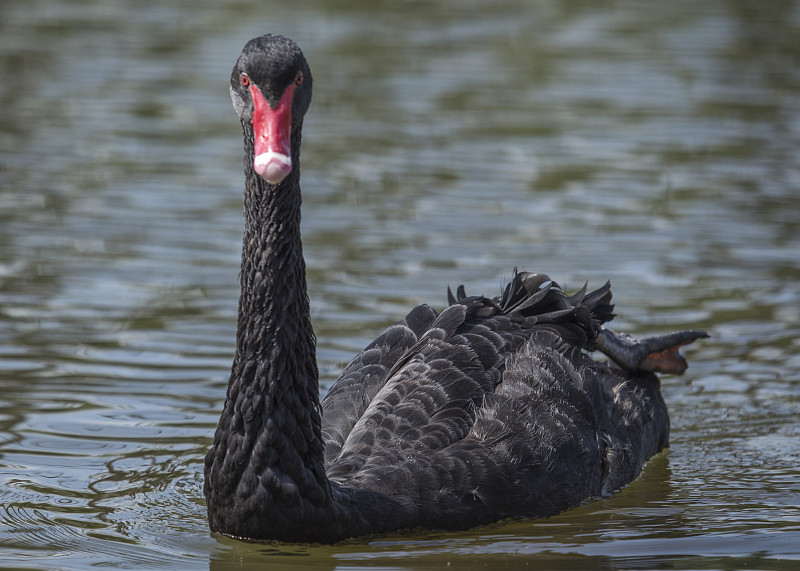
<point>272,129</point>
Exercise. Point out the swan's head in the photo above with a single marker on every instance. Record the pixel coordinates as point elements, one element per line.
<point>271,90</point>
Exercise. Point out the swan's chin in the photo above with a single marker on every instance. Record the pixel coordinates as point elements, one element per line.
<point>273,167</point>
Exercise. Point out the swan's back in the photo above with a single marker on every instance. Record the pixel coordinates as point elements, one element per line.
<point>491,409</point>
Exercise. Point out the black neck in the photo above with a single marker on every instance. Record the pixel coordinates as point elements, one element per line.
<point>274,325</point>
<point>270,450</point>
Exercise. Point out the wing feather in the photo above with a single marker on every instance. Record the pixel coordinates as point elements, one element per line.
<point>492,401</point>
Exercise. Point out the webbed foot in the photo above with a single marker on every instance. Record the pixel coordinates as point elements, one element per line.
<point>659,353</point>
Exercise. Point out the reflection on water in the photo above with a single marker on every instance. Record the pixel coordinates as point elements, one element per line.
<point>657,147</point>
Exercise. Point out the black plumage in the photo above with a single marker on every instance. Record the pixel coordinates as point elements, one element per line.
<point>491,408</point>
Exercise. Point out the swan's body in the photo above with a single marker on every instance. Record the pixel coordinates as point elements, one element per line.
<point>487,410</point>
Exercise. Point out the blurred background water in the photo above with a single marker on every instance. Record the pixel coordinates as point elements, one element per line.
<point>653,144</point>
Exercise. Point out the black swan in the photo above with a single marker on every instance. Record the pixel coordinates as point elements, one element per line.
<point>489,409</point>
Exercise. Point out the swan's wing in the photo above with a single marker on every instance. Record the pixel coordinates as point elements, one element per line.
<point>361,380</point>
<point>427,401</point>
<point>497,411</point>
<point>365,375</point>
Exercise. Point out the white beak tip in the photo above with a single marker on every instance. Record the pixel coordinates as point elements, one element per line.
<point>272,167</point>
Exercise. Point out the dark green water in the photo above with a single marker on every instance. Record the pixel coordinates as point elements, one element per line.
<point>655,144</point>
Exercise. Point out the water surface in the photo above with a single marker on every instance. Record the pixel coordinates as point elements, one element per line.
<point>653,145</point>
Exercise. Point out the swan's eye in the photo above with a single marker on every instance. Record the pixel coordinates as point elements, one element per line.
<point>245,79</point>
<point>298,78</point>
